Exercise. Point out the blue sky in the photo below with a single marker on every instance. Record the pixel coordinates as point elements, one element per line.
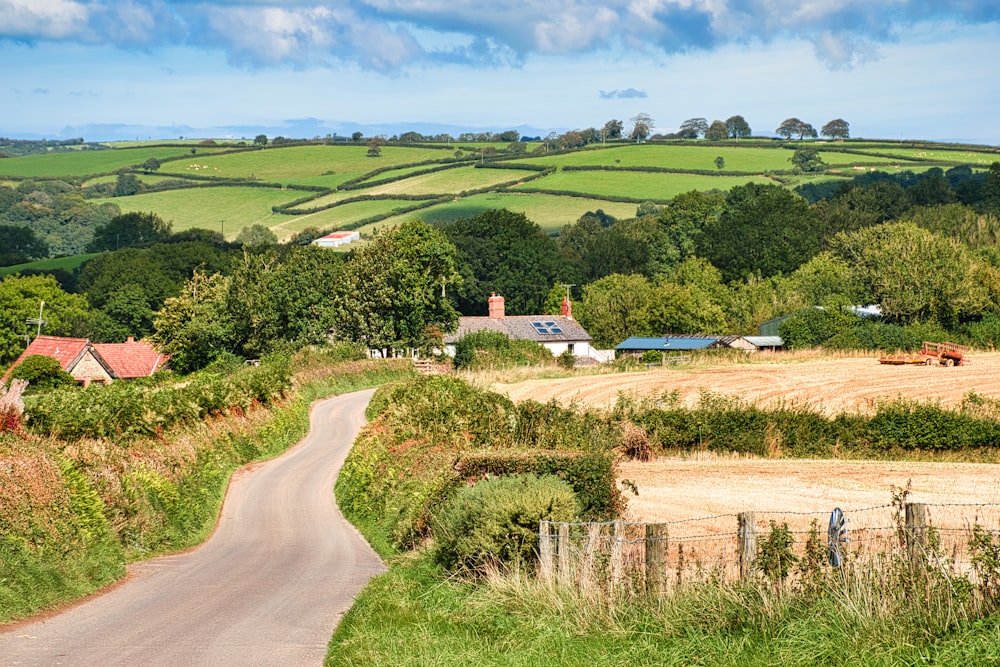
<point>115,69</point>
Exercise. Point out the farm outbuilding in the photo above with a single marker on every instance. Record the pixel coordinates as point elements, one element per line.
<point>337,239</point>
<point>101,362</point>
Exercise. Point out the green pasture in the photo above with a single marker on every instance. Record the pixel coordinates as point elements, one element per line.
<point>227,209</point>
<point>397,173</point>
<point>969,157</point>
<point>459,179</point>
<point>324,165</point>
<point>550,212</point>
<point>641,186</point>
<point>67,263</point>
<point>334,218</point>
<point>85,163</point>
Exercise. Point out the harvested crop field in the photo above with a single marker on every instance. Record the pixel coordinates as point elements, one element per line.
<point>830,385</point>
<point>705,485</point>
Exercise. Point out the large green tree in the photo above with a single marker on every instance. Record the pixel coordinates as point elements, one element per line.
<point>762,230</point>
<point>915,275</point>
<point>20,244</point>
<point>194,327</point>
<point>738,127</point>
<point>21,300</point>
<point>505,252</point>
<point>390,296</point>
<point>615,308</point>
<point>837,128</point>
<point>130,230</point>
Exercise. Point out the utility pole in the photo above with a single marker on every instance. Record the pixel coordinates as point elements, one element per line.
<point>39,321</point>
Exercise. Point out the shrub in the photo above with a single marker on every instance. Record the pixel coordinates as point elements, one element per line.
<point>42,373</point>
<point>493,349</point>
<point>495,522</point>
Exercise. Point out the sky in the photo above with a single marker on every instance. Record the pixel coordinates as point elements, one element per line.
<point>163,69</point>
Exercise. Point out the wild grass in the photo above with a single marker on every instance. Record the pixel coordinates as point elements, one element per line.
<point>874,614</point>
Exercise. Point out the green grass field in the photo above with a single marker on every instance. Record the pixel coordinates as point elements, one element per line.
<point>217,209</point>
<point>67,263</point>
<point>550,212</point>
<point>326,166</point>
<point>84,163</point>
<point>640,186</point>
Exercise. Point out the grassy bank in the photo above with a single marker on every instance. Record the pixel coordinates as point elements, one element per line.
<point>74,510</point>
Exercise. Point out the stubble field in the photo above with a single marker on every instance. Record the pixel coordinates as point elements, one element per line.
<point>674,488</point>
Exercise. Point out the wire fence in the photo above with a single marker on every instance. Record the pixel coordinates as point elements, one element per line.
<point>632,556</point>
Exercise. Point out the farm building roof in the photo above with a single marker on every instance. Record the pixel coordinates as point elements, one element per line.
<point>667,343</point>
<point>67,351</point>
<point>765,341</point>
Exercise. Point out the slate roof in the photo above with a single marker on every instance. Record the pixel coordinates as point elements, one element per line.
<point>132,359</point>
<point>523,327</point>
<point>67,351</point>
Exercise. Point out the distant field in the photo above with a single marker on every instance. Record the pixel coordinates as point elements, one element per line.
<point>636,185</point>
<point>67,263</point>
<point>967,157</point>
<point>228,208</point>
<point>346,214</point>
<point>448,181</point>
<point>83,163</point>
<point>328,166</point>
<point>549,212</point>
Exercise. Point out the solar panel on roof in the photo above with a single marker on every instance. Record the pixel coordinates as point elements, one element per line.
<point>547,327</point>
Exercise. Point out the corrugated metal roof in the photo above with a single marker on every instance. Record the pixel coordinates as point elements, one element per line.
<point>666,344</point>
<point>765,341</point>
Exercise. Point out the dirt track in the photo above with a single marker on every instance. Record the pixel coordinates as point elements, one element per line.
<point>675,489</point>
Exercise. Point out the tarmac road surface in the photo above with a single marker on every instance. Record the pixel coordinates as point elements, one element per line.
<point>267,588</point>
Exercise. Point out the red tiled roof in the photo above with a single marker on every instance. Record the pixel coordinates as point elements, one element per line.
<point>67,351</point>
<point>132,359</point>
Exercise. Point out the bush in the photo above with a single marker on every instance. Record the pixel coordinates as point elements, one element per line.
<point>493,349</point>
<point>495,522</point>
<point>42,373</point>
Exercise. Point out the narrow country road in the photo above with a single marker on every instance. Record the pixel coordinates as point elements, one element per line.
<point>268,588</point>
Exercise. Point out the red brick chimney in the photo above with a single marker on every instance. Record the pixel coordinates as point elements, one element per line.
<point>496,306</point>
<point>567,308</point>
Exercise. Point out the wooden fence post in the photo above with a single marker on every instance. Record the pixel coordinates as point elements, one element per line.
<point>564,556</point>
<point>615,566</point>
<point>916,534</point>
<point>746,534</point>
<point>656,556</point>
<point>545,550</point>
<point>587,577</point>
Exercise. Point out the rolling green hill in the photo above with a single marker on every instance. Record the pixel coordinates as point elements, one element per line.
<point>290,187</point>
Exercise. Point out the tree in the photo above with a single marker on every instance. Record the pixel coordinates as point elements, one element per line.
<point>738,127</point>
<point>505,252</point>
<point>807,159</point>
<point>836,129</point>
<point>990,202</point>
<point>913,274</point>
<point>763,230</point>
<point>151,164</point>
<point>717,131</point>
<point>612,130</point>
<point>683,222</point>
<point>21,299</point>
<point>375,146</point>
<point>615,308</point>
<point>642,126</point>
<point>194,328</point>
<point>509,136</point>
<point>255,236</point>
<point>390,294</point>
<point>260,140</point>
<point>692,128</point>
<point>126,185</point>
<point>720,163</point>
<point>20,244</point>
<point>357,136</point>
<point>130,230</point>
<point>793,126</point>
